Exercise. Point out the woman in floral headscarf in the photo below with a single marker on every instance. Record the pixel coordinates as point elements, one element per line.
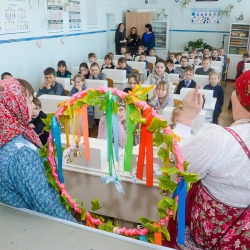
<point>23,182</point>
<point>218,213</point>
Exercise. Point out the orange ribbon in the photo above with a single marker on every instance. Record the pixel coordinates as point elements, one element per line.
<point>146,147</point>
<point>158,237</point>
<point>85,131</point>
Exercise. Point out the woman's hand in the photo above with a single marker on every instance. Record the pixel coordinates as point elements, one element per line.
<point>192,105</point>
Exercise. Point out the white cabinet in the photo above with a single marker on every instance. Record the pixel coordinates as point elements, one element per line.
<point>237,46</point>
<point>161,31</point>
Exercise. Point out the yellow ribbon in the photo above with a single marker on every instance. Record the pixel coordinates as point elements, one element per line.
<point>135,92</point>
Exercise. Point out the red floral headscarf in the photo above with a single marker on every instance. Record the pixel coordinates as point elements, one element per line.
<point>242,86</point>
<point>14,113</point>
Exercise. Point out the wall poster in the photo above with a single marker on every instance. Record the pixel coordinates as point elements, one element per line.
<point>14,17</point>
<point>91,14</point>
<point>55,15</point>
<point>205,15</point>
<point>74,15</point>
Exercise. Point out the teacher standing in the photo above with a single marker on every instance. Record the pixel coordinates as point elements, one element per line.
<point>120,39</point>
<point>148,38</point>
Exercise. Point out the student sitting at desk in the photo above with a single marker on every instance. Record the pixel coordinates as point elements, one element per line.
<point>159,74</point>
<point>102,132</point>
<point>162,98</point>
<point>96,73</point>
<point>84,70</point>
<point>23,181</point>
<point>108,63</point>
<point>215,55</point>
<point>143,59</point>
<point>178,58</point>
<point>205,69</point>
<point>79,85</point>
<point>50,86</point>
<point>240,65</point>
<point>62,70</point>
<point>36,122</point>
<point>122,64</point>
<point>218,92</point>
<point>176,113</point>
<point>170,67</point>
<point>197,61</point>
<point>133,80</point>
<point>127,56</point>
<point>152,53</point>
<point>188,81</point>
<point>180,70</point>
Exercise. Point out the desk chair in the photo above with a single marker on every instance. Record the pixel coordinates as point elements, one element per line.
<point>150,66</point>
<point>66,92</point>
<point>177,102</point>
<point>136,71</point>
<point>110,83</point>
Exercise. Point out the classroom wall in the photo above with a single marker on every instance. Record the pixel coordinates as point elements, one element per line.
<point>21,56</point>
<point>181,28</point>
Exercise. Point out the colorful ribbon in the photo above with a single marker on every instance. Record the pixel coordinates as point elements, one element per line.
<point>115,132</point>
<point>181,191</point>
<point>85,131</point>
<point>146,147</point>
<point>57,139</point>
<point>129,141</point>
<point>113,179</point>
<point>138,90</point>
<point>109,106</point>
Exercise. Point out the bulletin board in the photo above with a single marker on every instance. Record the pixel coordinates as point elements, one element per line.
<point>205,15</point>
<point>14,17</point>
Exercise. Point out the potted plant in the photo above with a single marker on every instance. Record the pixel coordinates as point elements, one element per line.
<point>198,44</point>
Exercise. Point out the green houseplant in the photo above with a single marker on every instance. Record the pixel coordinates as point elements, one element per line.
<point>198,44</point>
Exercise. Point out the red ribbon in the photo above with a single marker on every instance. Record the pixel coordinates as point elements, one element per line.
<point>146,147</point>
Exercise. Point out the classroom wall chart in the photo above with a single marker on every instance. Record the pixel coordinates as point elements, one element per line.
<point>14,17</point>
<point>204,16</point>
<point>74,15</point>
<point>55,15</point>
<point>91,14</point>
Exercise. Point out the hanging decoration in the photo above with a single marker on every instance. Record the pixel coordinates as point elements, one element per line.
<point>153,129</point>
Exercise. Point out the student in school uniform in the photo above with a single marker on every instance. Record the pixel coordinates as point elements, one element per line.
<point>133,80</point>
<point>215,55</point>
<point>153,54</point>
<point>127,56</point>
<point>96,73</point>
<point>218,92</point>
<point>222,53</point>
<point>197,61</point>
<point>206,53</point>
<point>84,70</point>
<point>178,58</point>
<point>205,69</point>
<point>36,121</point>
<point>123,50</point>
<point>170,67</point>
<point>188,81</point>
<point>62,70</point>
<point>240,65</point>
<point>180,70</point>
<point>50,86</point>
<point>108,63</point>
<point>122,64</point>
<point>143,59</point>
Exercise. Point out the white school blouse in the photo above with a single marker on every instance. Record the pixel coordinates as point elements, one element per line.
<point>220,161</point>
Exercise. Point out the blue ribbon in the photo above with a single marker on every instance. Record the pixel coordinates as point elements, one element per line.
<point>156,172</point>
<point>57,138</point>
<point>182,192</point>
<point>113,179</point>
<point>143,238</point>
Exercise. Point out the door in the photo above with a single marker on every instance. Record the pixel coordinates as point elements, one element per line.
<point>143,18</point>
<point>110,33</point>
<point>131,21</point>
